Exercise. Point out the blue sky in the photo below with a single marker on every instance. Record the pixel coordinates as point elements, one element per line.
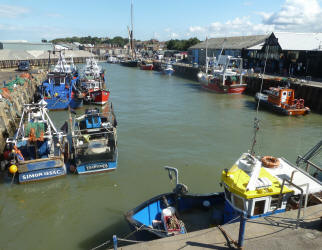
<point>33,20</point>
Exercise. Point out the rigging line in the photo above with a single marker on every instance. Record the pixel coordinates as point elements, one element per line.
<point>256,120</point>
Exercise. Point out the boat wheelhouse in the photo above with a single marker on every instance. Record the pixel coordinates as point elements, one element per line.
<point>37,147</point>
<point>228,80</point>
<point>59,91</point>
<point>94,142</point>
<point>264,187</point>
<point>283,101</point>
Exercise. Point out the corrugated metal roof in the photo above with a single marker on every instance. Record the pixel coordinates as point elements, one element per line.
<point>296,41</point>
<point>235,42</point>
<point>299,41</point>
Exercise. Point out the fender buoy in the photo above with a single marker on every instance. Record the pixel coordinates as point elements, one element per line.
<point>270,162</point>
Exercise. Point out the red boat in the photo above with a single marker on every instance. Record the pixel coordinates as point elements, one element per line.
<point>229,80</point>
<point>99,96</point>
<point>146,66</point>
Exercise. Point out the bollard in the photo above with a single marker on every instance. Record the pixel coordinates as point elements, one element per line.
<point>242,226</point>
<point>115,242</point>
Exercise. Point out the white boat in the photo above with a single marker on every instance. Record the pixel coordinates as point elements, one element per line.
<point>92,69</point>
<point>65,66</point>
<point>168,69</point>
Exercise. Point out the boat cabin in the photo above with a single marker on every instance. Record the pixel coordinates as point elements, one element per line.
<point>57,78</point>
<point>258,190</point>
<point>279,96</point>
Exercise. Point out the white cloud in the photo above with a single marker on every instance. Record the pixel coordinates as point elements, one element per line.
<point>11,11</point>
<point>296,15</point>
<point>293,16</point>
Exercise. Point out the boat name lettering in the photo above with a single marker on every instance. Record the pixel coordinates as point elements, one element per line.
<point>96,166</point>
<point>29,176</point>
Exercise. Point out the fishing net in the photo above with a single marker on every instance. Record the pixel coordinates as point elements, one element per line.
<point>36,128</point>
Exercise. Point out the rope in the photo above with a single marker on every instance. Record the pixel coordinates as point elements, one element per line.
<point>103,244</point>
<point>256,120</point>
<point>132,241</point>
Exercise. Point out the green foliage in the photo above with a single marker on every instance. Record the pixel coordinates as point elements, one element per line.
<point>181,45</point>
<point>119,41</point>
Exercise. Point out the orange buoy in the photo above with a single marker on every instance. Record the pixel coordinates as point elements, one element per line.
<point>270,162</point>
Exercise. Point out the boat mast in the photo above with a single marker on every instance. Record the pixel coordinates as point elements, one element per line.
<point>206,55</point>
<point>133,55</point>
<point>256,120</point>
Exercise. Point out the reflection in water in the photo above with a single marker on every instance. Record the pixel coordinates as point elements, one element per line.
<point>161,121</point>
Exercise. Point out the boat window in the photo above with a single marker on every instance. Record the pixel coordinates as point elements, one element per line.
<point>239,202</point>
<point>227,194</point>
<point>274,202</point>
<point>259,207</point>
<point>289,93</point>
<point>284,93</point>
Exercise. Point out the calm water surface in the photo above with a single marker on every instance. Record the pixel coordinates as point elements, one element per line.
<point>161,121</point>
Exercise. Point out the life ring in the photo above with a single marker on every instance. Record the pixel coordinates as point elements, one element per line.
<point>270,162</point>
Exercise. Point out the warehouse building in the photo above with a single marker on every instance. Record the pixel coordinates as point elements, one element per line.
<point>288,53</point>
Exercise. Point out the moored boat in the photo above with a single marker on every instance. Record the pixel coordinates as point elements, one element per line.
<point>36,151</point>
<point>167,69</point>
<point>94,142</point>
<point>146,65</point>
<point>253,186</point>
<point>282,100</point>
<point>228,80</point>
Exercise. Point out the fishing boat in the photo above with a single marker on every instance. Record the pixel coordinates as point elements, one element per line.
<point>228,80</point>
<point>92,84</point>
<point>59,89</point>
<point>94,142</point>
<point>254,186</point>
<point>168,69</point>
<point>132,61</point>
<point>36,152</point>
<point>282,100</point>
<point>146,65</point>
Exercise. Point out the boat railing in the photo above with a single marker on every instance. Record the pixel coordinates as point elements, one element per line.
<point>78,133</point>
<point>308,164</point>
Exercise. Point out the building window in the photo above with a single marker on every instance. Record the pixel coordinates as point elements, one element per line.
<point>239,202</point>
<point>259,207</point>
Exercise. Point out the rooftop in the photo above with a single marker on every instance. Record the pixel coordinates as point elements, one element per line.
<point>235,42</point>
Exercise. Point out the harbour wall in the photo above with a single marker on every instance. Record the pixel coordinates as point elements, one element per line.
<point>12,100</point>
<point>305,89</point>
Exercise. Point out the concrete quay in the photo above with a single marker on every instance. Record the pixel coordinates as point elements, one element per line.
<point>273,232</point>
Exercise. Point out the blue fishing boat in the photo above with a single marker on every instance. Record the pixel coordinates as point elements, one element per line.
<point>59,90</point>
<point>94,142</point>
<point>36,151</point>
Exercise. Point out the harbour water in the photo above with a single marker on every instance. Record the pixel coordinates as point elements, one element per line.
<point>162,121</point>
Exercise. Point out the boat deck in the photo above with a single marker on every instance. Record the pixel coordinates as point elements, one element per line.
<point>272,232</point>
<point>300,177</point>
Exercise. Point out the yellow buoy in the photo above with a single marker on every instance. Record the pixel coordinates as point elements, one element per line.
<point>13,169</point>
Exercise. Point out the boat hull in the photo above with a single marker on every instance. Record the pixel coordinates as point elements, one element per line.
<point>149,212</point>
<point>97,167</point>
<point>146,67</point>
<point>38,170</point>
<point>168,72</point>
<point>129,63</point>
<point>278,109</point>
<point>99,97</point>
<point>231,89</point>
<point>62,104</point>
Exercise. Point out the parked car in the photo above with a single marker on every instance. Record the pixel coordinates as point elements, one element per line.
<point>24,66</point>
